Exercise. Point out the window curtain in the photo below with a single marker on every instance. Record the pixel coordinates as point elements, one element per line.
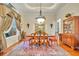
<point>6,23</point>
<point>18,21</point>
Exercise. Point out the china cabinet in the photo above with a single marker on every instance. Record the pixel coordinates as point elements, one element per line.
<point>70,34</point>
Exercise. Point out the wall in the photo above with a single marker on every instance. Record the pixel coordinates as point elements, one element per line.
<point>72,8</point>
<point>30,19</point>
<point>11,40</point>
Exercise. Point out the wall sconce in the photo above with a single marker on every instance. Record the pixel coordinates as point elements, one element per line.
<point>28,25</point>
<point>51,25</point>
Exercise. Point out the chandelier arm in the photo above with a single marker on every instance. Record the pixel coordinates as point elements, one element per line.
<point>40,10</point>
<point>41,18</point>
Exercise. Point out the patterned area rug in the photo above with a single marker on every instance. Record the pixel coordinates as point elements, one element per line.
<point>24,50</point>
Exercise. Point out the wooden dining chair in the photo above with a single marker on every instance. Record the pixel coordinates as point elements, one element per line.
<point>46,41</point>
<point>34,42</point>
<point>41,42</point>
<point>53,40</point>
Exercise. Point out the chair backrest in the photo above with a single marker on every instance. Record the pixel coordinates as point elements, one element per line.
<point>53,38</point>
<point>32,34</point>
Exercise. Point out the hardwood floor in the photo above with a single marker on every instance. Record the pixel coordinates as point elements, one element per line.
<point>65,47</point>
<point>3,52</point>
<point>70,50</point>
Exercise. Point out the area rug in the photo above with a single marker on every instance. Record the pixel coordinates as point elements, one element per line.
<point>24,50</point>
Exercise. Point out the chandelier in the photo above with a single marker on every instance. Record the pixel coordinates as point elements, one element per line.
<point>40,19</point>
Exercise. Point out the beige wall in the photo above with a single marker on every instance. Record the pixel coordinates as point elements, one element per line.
<point>68,8</point>
<point>12,40</point>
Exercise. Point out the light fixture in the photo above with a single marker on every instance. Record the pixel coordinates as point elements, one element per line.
<point>51,25</point>
<point>28,25</point>
<point>40,19</point>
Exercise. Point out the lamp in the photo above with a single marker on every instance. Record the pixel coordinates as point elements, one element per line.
<point>40,19</point>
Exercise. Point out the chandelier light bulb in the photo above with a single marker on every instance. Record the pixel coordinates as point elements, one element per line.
<point>40,20</point>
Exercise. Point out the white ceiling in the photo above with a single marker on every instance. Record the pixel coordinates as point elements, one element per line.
<point>37,5</point>
<point>27,8</point>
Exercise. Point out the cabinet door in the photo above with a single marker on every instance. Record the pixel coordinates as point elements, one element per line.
<point>76,24</point>
<point>68,25</point>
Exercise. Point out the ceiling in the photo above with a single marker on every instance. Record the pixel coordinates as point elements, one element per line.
<point>35,7</point>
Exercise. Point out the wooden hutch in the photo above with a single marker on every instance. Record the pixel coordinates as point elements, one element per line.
<point>70,34</point>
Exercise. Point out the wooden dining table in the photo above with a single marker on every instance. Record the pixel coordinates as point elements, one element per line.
<point>40,40</point>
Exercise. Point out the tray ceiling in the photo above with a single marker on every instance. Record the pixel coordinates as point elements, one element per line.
<point>37,5</point>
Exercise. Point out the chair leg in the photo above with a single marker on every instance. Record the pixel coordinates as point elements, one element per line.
<point>46,45</point>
